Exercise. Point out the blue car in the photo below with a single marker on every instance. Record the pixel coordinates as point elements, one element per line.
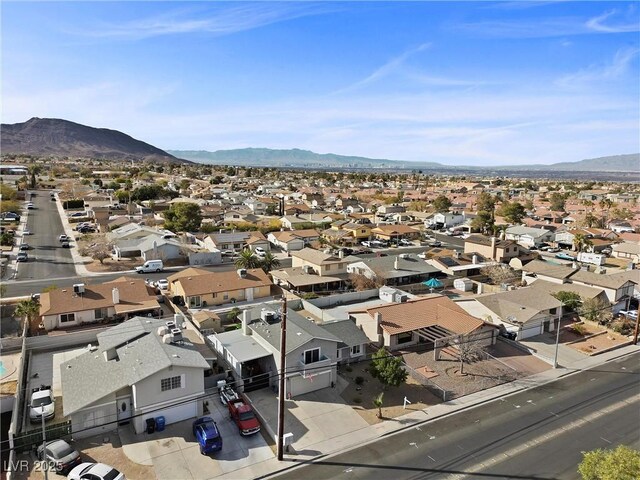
<point>564,256</point>
<point>207,434</point>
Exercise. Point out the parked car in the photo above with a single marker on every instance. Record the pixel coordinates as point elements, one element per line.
<point>60,455</point>
<point>422,255</point>
<point>63,238</point>
<point>42,403</point>
<point>77,214</point>
<point>95,471</point>
<point>259,251</point>
<point>150,266</point>
<point>406,243</point>
<point>162,284</point>
<point>207,434</point>
<point>22,257</point>
<point>435,244</point>
<point>553,249</point>
<point>26,232</point>
<point>228,253</point>
<point>53,198</point>
<point>30,206</point>
<point>630,314</point>
<point>565,256</point>
<point>366,244</point>
<point>25,246</point>
<point>65,245</point>
<point>244,417</point>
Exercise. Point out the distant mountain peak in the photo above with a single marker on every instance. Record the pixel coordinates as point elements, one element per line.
<point>58,137</point>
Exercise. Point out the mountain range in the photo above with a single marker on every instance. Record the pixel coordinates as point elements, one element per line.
<point>62,138</point>
<point>53,136</point>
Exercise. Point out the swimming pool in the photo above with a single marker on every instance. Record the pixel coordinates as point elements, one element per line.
<point>2,369</point>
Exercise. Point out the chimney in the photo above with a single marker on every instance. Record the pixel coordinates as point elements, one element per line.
<point>115,295</point>
<point>378,318</point>
<point>493,248</point>
<point>245,323</point>
<point>341,254</point>
<point>474,259</point>
<point>395,264</point>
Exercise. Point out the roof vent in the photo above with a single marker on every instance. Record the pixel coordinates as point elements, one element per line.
<point>242,272</point>
<point>78,288</point>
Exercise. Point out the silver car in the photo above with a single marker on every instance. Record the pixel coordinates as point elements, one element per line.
<point>59,455</point>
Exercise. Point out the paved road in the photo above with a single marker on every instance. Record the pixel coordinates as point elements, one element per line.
<point>47,258</point>
<point>23,288</point>
<point>534,434</point>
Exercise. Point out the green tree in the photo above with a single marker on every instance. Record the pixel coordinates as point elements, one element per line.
<point>557,201</point>
<point>183,217</point>
<point>29,309</point>
<point>247,260</point>
<point>387,368</point>
<point>378,402</point>
<point>581,241</point>
<point>7,192</point>
<point>571,300</point>
<point>269,262</point>
<point>596,310</point>
<point>232,315</point>
<point>485,202</point>
<point>441,204</point>
<point>483,222</point>
<point>513,212</point>
<point>622,463</point>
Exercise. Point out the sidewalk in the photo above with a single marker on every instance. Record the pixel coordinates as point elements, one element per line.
<point>362,436</point>
<point>78,260</point>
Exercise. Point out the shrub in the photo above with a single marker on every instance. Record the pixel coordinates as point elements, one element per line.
<point>579,329</point>
<point>359,380</point>
<point>622,326</point>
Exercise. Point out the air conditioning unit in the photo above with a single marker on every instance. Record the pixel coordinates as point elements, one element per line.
<point>176,335</point>
<point>242,272</point>
<point>170,325</point>
<point>78,288</point>
<point>268,316</point>
<point>306,269</point>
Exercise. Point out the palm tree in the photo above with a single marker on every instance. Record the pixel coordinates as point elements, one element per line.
<point>377,402</point>
<point>580,241</point>
<point>269,262</point>
<point>247,260</point>
<point>29,309</point>
<point>33,171</point>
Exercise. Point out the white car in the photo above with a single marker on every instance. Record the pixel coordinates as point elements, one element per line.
<point>162,284</point>
<point>95,471</point>
<point>630,314</point>
<point>261,252</point>
<point>26,232</point>
<point>63,238</point>
<point>42,404</point>
<point>366,244</point>
<point>30,206</point>
<point>422,255</point>
<point>406,243</point>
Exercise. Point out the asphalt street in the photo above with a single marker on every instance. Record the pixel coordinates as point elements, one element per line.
<point>539,433</point>
<point>47,258</point>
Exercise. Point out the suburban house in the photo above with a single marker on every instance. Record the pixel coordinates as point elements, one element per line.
<point>528,311</point>
<point>445,220</point>
<point>529,237</point>
<point>292,240</point>
<point>459,264</point>
<point>235,241</point>
<point>388,209</point>
<point>395,232</point>
<point>218,288</point>
<point>152,247</point>
<point>394,269</point>
<point>253,352</point>
<point>491,248</point>
<point>627,251</point>
<point>549,272</point>
<point>81,304</point>
<point>139,369</point>
<point>431,320</point>
<point>353,342</point>
<point>291,221</point>
<point>619,287</point>
<point>320,263</point>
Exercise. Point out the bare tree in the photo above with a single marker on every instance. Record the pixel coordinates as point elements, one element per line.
<point>363,282</point>
<point>470,349</point>
<point>98,247</point>
<point>499,273</point>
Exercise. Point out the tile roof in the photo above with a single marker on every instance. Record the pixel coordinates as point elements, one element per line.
<point>134,296</point>
<point>217,282</point>
<point>425,312</point>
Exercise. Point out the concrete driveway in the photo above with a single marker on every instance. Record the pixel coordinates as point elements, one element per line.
<point>174,453</point>
<point>544,346</point>
<point>314,419</point>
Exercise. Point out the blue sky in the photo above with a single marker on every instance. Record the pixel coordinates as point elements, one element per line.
<point>461,83</point>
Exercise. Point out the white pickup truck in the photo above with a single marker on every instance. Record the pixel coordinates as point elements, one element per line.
<point>42,404</point>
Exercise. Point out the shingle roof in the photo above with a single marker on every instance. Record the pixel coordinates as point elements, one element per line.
<point>550,269</point>
<point>140,354</point>
<point>615,280</point>
<point>215,282</point>
<point>133,293</point>
<point>394,229</point>
<point>347,331</point>
<point>412,265</point>
<point>425,312</point>
<point>521,304</point>
<point>486,241</point>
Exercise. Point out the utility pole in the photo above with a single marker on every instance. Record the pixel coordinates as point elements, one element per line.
<point>555,357</point>
<point>281,394</point>
<point>636,330</point>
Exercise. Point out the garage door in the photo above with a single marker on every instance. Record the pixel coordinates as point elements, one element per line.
<point>179,412</point>
<point>299,385</point>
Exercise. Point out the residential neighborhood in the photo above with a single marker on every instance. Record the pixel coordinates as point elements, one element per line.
<point>147,292</point>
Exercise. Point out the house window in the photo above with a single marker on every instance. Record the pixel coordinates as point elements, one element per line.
<point>67,317</point>
<point>312,356</point>
<point>170,383</point>
<point>195,301</point>
<point>356,350</point>
<point>405,337</point>
<point>100,313</point>
<point>225,296</point>
<point>553,311</point>
<point>328,267</point>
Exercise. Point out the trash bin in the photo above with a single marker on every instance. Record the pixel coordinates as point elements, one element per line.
<point>151,425</point>
<point>159,424</point>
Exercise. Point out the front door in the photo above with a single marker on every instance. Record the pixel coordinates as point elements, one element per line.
<point>124,409</point>
<point>546,325</point>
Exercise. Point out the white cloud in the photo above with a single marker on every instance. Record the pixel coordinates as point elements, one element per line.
<point>599,24</point>
<point>615,69</point>
<point>223,21</point>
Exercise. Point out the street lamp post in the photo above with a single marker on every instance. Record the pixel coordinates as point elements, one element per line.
<point>555,357</point>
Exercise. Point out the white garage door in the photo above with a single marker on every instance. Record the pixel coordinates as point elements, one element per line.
<point>178,413</point>
<point>299,385</point>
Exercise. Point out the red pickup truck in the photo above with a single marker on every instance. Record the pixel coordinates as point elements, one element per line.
<point>244,416</point>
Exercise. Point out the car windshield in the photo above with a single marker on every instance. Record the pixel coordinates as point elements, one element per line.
<point>41,402</point>
<point>246,416</point>
<point>113,473</point>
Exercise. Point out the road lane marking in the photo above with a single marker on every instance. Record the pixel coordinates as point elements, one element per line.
<point>414,444</point>
<point>606,440</point>
<point>433,459</point>
<point>542,438</point>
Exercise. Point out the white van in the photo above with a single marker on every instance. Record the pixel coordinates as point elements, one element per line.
<point>150,266</point>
